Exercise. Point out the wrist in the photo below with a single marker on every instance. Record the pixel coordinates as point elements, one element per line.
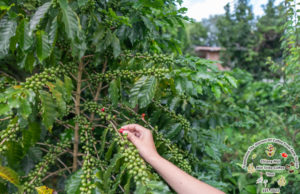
<point>151,159</point>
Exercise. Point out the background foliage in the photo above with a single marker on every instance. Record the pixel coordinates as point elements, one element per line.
<point>74,72</point>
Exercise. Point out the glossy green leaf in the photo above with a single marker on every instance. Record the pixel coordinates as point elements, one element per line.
<point>25,41</point>
<point>73,29</point>
<point>116,46</point>
<point>43,46</point>
<point>140,188</point>
<point>174,131</point>
<point>38,15</point>
<point>14,154</point>
<point>82,2</point>
<point>73,183</point>
<point>31,135</point>
<point>158,187</point>
<point>114,91</point>
<point>98,35</point>
<point>216,90</point>
<point>7,30</point>
<point>25,108</point>
<point>109,152</point>
<point>108,172</point>
<point>58,92</point>
<point>70,20</point>
<point>103,139</point>
<point>29,62</point>
<point>4,108</point>
<point>68,87</point>
<point>231,80</point>
<point>143,91</point>
<point>49,111</point>
<point>107,41</point>
<point>118,180</point>
<point>4,7</point>
<point>53,32</point>
<point>127,185</point>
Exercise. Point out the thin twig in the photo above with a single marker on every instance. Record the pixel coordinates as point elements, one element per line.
<point>59,160</point>
<point>88,83</point>
<point>84,88</point>
<point>7,75</point>
<point>106,86</point>
<point>64,124</point>
<point>99,125</point>
<point>86,56</point>
<point>56,172</point>
<point>99,88</point>
<point>6,118</point>
<point>115,128</point>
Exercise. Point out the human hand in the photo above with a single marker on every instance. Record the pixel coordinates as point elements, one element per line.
<point>143,140</point>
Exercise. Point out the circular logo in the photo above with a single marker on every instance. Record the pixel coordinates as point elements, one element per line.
<point>272,161</point>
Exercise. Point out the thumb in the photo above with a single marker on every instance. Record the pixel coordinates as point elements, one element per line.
<point>131,137</point>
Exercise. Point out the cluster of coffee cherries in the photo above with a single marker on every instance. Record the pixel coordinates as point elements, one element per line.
<point>63,44</point>
<point>174,154</point>
<point>135,164</point>
<point>92,106</point>
<point>2,86</point>
<point>179,118</point>
<point>179,159</point>
<point>102,112</point>
<point>37,81</point>
<point>88,6</point>
<point>109,75</point>
<point>5,83</point>
<point>54,3</point>
<point>89,163</point>
<point>156,58</point>
<point>34,3</point>
<point>34,178</point>
<point>9,134</point>
<point>70,67</point>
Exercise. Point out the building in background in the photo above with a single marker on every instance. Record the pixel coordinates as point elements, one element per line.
<point>211,53</point>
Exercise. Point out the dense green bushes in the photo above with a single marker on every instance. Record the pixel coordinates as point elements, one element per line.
<point>72,73</point>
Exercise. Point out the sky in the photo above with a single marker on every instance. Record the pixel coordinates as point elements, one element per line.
<point>199,9</point>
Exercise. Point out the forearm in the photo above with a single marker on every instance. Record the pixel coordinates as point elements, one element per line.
<point>179,180</point>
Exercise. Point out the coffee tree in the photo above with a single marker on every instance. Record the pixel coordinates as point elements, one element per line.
<point>74,72</point>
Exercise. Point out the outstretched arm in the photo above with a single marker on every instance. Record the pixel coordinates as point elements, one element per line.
<point>179,180</point>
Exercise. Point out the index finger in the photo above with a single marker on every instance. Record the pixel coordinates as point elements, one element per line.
<point>134,128</point>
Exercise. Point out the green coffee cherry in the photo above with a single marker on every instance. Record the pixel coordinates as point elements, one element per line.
<point>103,112</point>
<point>179,118</point>
<point>37,81</point>
<point>35,176</point>
<point>109,75</point>
<point>135,164</point>
<point>87,7</point>
<point>9,134</point>
<point>89,163</point>
<point>146,57</point>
